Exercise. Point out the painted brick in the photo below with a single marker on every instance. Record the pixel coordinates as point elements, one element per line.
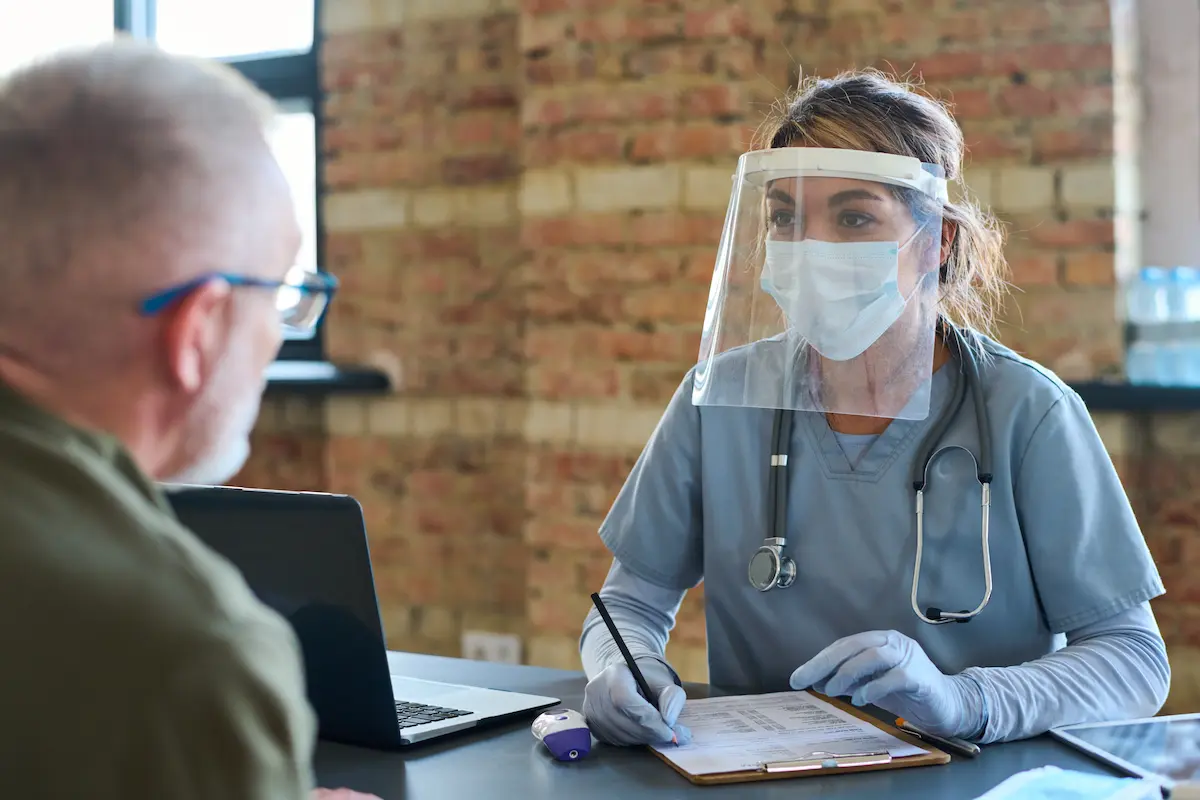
<point>549,422</point>
<point>300,414</point>
<point>656,385</point>
<point>555,652</point>
<point>1116,431</point>
<point>690,661</point>
<point>270,416</point>
<point>614,426</point>
<point>433,208</point>
<point>1088,186</point>
<point>545,193</point>
<point>626,188</point>
<point>391,417</point>
<point>980,184</point>
<point>1177,433</point>
<point>369,209</point>
<point>345,416</point>
<point>477,417</point>
<point>343,16</point>
<point>707,188</point>
<point>1025,189</point>
<point>486,206</point>
<point>431,417</point>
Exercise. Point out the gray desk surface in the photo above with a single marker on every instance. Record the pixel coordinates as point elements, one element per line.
<point>505,761</point>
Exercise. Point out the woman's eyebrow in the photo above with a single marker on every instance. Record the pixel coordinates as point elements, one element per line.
<point>781,196</point>
<point>850,195</point>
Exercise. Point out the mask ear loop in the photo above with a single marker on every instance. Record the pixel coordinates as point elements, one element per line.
<point>913,237</point>
<point>924,276</point>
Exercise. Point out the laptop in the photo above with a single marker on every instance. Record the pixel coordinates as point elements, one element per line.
<point>305,555</point>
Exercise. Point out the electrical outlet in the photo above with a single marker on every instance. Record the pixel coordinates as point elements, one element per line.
<point>502,648</point>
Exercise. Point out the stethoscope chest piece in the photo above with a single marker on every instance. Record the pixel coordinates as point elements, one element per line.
<point>770,568</point>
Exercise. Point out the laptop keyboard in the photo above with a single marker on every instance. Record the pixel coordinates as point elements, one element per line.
<point>411,714</point>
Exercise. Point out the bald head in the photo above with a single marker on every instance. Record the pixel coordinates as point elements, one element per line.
<point>124,170</point>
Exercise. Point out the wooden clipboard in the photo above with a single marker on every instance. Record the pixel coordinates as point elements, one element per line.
<point>932,757</point>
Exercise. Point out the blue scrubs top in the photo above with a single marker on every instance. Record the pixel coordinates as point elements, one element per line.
<point>1066,550</point>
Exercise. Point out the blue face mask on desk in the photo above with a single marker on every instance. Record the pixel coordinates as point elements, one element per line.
<point>1052,783</point>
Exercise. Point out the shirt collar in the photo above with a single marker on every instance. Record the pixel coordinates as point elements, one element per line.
<point>21,415</point>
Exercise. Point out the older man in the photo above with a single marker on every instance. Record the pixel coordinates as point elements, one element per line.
<point>146,232</point>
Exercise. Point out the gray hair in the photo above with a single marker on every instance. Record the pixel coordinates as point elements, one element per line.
<point>120,166</point>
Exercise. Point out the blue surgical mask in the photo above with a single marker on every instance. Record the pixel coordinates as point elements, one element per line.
<point>1053,783</point>
<point>840,296</point>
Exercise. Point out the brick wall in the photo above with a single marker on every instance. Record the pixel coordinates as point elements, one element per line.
<point>1158,456</point>
<point>523,203</point>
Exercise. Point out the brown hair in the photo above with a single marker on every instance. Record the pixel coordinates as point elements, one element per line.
<point>866,110</point>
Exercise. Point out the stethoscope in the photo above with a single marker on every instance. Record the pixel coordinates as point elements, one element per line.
<point>770,568</point>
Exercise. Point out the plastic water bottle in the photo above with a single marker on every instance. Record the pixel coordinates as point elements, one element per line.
<point>1172,351</point>
<point>1191,295</point>
<point>1146,297</point>
<point>1141,363</point>
<point>1185,314</point>
<point>1147,308</point>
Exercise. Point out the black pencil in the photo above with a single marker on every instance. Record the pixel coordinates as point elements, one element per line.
<point>633,667</point>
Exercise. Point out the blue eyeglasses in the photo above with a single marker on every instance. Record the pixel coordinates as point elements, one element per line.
<point>300,301</point>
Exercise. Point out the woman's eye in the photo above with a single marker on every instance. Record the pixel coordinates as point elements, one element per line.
<point>783,219</point>
<point>854,219</point>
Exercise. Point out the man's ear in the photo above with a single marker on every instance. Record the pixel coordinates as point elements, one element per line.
<point>196,332</point>
<point>949,233</point>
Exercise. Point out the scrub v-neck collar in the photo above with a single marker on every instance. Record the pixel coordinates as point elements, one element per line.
<point>889,444</point>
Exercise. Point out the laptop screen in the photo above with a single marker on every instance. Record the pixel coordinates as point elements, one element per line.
<point>297,551</point>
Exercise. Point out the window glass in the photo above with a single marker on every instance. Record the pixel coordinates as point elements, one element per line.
<point>229,28</point>
<point>294,142</point>
<point>33,28</point>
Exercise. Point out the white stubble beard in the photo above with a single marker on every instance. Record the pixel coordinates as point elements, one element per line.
<point>229,448</point>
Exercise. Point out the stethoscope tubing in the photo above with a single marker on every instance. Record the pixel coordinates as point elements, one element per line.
<point>966,381</point>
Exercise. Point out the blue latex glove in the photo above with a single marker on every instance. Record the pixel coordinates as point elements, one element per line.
<point>889,670</point>
<point>617,713</point>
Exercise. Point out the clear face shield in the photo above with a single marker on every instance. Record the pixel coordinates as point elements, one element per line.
<point>825,293</point>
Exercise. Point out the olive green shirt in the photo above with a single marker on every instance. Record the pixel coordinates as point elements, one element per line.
<point>134,661</point>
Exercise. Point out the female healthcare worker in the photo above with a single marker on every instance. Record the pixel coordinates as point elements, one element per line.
<point>846,423</point>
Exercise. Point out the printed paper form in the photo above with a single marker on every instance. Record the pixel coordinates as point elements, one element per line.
<point>734,734</point>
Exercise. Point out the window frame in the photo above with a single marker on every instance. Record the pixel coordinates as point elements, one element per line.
<point>285,77</point>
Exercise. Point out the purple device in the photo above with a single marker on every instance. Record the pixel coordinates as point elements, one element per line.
<point>564,733</point>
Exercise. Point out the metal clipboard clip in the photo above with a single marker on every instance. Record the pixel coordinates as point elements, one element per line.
<point>822,760</point>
